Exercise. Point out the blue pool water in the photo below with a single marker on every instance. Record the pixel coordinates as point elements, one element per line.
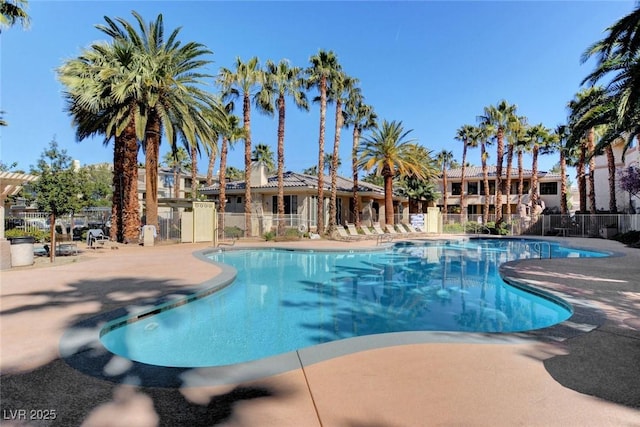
<point>286,300</point>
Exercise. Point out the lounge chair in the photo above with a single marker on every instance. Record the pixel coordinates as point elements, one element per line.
<point>412,229</point>
<point>381,235</point>
<point>378,230</point>
<point>342,232</point>
<point>392,230</point>
<point>95,237</point>
<point>367,232</point>
<point>351,229</point>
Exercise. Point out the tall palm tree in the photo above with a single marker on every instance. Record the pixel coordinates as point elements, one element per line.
<point>618,62</point>
<point>539,138</point>
<point>361,117</point>
<point>263,153</point>
<point>230,133</point>
<point>516,134</point>
<point>283,80</point>
<point>322,69</point>
<point>177,160</point>
<point>101,99</point>
<point>480,136</point>
<point>389,153</point>
<point>444,159</point>
<point>340,86</point>
<point>170,98</point>
<point>12,12</point>
<point>464,134</point>
<point>245,80</point>
<point>498,121</point>
<point>561,134</point>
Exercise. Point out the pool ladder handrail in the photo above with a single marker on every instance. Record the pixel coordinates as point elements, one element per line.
<point>537,246</point>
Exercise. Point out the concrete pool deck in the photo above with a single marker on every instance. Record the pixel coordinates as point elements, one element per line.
<point>514,379</point>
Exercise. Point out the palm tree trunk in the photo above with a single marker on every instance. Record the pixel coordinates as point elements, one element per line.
<point>354,168</point>
<point>388,197</point>
<point>592,169</point>
<point>499,181</point>
<point>246,108</point>
<point>210,166</point>
<point>534,178</point>
<point>520,178</point>
<point>131,205</point>
<point>152,144</point>
<point>611,165</point>
<point>323,113</point>
<point>194,172</point>
<point>485,178</point>
<point>444,192</point>
<point>223,185</point>
<point>334,169</point>
<point>463,201</point>
<point>176,185</point>
<point>280,202</point>
<point>582,179</point>
<point>564,208</point>
<point>117,227</point>
<point>507,190</point>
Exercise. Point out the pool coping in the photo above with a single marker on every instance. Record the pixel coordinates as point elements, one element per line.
<point>81,347</point>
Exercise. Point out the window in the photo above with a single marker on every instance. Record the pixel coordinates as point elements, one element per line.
<point>492,187</point>
<point>472,188</point>
<point>238,200</point>
<point>456,188</point>
<point>290,205</point>
<point>548,188</point>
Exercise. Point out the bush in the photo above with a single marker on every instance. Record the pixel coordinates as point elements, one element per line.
<point>269,235</point>
<point>233,232</point>
<point>631,238</point>
<point>40,235</point>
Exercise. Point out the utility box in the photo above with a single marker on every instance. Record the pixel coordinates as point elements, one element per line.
<point>22,251</point>
<point>148,235</point>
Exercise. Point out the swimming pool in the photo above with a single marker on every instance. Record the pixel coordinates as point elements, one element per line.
<point>284,300</point>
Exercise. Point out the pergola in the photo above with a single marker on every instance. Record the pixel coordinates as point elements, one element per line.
<point>10,184</point>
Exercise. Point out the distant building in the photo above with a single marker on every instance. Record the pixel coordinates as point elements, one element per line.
<point>625,202</point>
<point>548,190</point>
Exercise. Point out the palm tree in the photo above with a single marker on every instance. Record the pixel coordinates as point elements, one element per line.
<point>498,121</point>
<point>513,137</point>
<point>262,153</point>
<point>97,109</point>
<point>12,12</point>
<point>231,133</point>
<point>340,86</point>
<point>389,153</point>
<point>322,69</point>
<point>246,81</point>
<point>170,98</point>
<point>361,117</point>
<point>618,61</point>
<point>283,80</point>
<point>561,134</point>
<point>177,161</point>
<point>480,136</point>
<point>539,139</point>
<point>444,159</point>
<point>464,134</point>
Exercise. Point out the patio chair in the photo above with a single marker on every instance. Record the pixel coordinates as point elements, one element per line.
<point>378,230</point>
<point>351,229</point>
<point>342,232</point>
<point>95,237</point>
<point>367,232</point>
<point>392,230</point>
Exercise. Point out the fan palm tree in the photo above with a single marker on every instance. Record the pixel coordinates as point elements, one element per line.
<point>340,86</point>
<point>177,161</point>
<point>444,159</point>
<point>12,12</point>
<point>389,153</point>
<point>170,97</point>
<point>245,80</point>
<point>464,134</point>
<point>283,80</point>
<point>323,67</point>
<point>516,134</point>
<point>262,153</point>
<point>361,117</point>
<point>498,121</point>
<point>231,133</point>
<point>561,134</point>
<point>101,99</point>
<point>480,136</point>
<point>539,138</point>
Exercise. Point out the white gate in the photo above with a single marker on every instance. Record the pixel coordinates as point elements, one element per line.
<point>200,224</point>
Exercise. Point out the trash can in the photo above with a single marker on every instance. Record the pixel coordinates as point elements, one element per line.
<point>22,251</point>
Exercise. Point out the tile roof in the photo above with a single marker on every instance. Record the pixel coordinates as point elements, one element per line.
<point>300,180</point>
<point>476,172</point>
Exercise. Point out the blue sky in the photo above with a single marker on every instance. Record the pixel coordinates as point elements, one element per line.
<point>432,65</point>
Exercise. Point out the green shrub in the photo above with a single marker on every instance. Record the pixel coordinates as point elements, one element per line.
<point>628,238</point>
<point>39,235</point>
<point>269,235</point>
<point>233,232</point>
<point>292,232</point>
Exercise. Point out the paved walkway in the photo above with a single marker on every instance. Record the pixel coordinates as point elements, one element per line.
<point>477,380</point>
